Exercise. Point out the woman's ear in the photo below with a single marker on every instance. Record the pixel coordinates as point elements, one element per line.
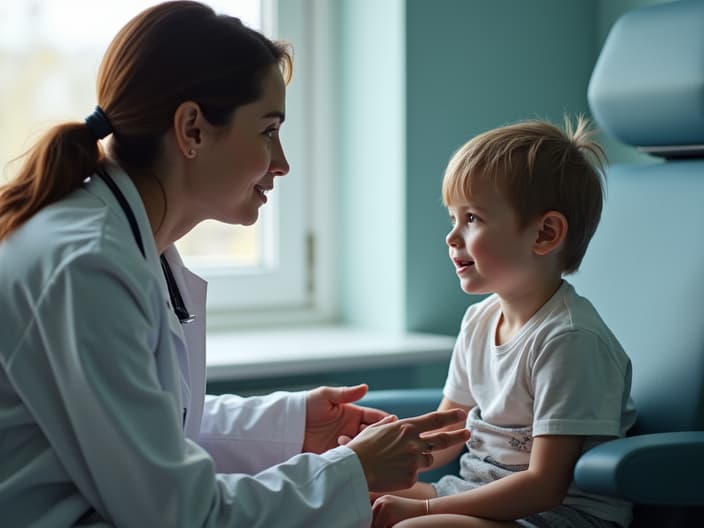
<point>188,128</point>
<point>552,231</point>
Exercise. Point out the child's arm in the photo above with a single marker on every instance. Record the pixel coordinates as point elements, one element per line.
<point>541,487</point>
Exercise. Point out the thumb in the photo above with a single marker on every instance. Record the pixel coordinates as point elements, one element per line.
<point>348,394</point>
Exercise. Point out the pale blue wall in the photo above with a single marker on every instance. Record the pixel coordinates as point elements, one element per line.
<point>371,175</point>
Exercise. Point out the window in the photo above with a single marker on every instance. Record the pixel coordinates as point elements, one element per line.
<point>47,73</point>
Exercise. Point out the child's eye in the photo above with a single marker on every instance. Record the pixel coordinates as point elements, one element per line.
<point>471,218</point>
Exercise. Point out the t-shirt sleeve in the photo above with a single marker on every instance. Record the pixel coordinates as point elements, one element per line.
<point>579,383</point>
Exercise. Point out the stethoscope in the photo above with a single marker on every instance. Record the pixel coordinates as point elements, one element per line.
<point>184,316</point>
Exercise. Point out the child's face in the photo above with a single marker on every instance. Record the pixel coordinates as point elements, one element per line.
<point>490,253</point>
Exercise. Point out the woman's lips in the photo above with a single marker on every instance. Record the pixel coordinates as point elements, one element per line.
<point>261,192</point>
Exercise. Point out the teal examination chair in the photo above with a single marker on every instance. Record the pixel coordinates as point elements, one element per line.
<point>644,270</point>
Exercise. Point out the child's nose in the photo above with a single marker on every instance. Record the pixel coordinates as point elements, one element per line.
<point>453,239</point>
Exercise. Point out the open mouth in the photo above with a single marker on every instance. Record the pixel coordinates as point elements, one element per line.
<point>261,192</point>
<point>463,265</point>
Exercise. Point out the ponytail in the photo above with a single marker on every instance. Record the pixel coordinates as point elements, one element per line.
<point>213,60</point>
<point>57,164</point>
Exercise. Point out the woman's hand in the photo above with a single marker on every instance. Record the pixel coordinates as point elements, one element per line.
<point>388,510</point>
<point>392,452</point>
<point>330,417</point>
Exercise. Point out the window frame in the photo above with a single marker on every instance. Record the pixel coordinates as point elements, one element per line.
<point>297,285</point>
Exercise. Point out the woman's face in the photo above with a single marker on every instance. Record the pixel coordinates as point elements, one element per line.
<point>237,167</point>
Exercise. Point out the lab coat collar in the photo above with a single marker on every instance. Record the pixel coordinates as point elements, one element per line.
<point>125,184</point>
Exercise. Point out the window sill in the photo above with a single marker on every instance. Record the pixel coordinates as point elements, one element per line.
<point>266,353</point>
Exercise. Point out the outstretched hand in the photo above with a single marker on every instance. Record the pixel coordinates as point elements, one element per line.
<point>392,452</point>
<point>331,418</point>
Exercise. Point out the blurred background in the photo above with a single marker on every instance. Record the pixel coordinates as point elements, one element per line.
<point>384,92</point>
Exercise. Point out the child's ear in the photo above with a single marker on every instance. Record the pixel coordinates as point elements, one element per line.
<point>552,230</point>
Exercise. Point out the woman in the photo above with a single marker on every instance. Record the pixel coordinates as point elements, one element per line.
<point>103,418</point>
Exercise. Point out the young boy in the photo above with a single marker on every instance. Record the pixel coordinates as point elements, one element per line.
<point>542,377</point>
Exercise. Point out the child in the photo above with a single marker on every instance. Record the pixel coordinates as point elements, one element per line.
<point>541,375</point>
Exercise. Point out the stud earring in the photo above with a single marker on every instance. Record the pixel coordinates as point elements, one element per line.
<point>191,153</point>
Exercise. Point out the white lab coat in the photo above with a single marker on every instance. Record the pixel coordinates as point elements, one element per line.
<point>98,376</point>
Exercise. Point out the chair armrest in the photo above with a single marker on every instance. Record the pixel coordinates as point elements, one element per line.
<point>663,468</point>
<point>411,402</point>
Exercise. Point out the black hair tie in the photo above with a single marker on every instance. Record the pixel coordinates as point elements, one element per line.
<point>98,123</point>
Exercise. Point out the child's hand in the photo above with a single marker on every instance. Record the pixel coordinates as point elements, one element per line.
<point>388,510</point>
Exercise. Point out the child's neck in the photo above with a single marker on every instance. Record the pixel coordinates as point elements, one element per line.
<point>517,309</point>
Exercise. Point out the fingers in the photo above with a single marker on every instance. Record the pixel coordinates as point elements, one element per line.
<point>370,416</point>
<point>386,420</point>
<point>443,440</point>
<point>426,460</point>
<point>429,445</point>
<point>436,420</point>
<point>393,451</point>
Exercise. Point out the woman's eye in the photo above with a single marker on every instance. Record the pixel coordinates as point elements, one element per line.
<point>270,132</point>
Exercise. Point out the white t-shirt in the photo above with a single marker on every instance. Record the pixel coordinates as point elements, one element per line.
<point>563,373</point>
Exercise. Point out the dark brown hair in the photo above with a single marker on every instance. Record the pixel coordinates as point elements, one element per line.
<point>170,53</point>
<point>538,168</point>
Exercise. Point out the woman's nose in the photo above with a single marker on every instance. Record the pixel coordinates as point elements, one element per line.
<point>279,163</point>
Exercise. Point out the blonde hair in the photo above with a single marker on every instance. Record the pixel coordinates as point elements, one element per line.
<point>538,168</point>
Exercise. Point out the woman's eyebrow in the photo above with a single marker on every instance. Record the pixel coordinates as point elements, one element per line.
<point>276,114</point>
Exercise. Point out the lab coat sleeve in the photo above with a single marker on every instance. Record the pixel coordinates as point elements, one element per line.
<point>86,368</point>
<point>247,435</point>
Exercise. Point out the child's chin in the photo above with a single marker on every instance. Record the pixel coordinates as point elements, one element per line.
<point>473,289</point>
<point>470,290</point>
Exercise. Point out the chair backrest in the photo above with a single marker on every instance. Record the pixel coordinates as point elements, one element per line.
<point>644,270</point>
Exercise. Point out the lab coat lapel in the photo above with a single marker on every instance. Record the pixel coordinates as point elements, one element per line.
<point>123,181</point>
<point>193,290</point>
